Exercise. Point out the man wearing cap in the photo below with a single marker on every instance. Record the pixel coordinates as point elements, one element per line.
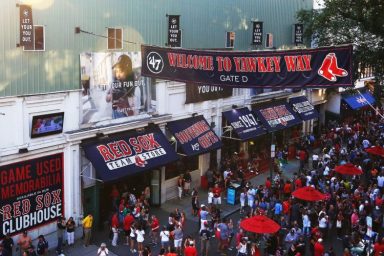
<point>103,250</point>
<point>190,249</point>
<point>319,248</point>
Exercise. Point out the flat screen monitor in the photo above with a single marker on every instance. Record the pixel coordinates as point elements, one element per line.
<point>44,125</point>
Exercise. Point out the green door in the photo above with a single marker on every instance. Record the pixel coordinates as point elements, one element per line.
<point>91,203</point>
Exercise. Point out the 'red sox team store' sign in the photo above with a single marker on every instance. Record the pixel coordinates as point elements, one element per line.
<point>31,193</point>
<point>129,153</point>
<point>321,67</point>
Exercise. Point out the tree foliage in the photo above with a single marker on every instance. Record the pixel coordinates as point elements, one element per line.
<point>357,22</point>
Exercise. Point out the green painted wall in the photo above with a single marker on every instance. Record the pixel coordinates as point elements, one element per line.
<point>204,23</point>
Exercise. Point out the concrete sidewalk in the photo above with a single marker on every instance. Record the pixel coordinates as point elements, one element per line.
<point>162,213</point>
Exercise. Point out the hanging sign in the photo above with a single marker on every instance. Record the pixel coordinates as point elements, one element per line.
<point>31,193</point>
<point>199,92</point>
<point>298,30</point>
<point>174,32</point>
<point>26,26</point>
<point>257,33</point>
<point>321,67</point>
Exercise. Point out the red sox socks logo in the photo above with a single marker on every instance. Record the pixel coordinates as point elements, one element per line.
<point>140,162</point>
<point>329,69</point>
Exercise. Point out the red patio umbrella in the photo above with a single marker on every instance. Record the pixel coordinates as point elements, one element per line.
<point>308,194</point>
<point>259,224</point>
<point>375,150</point>
<point>348,169</point>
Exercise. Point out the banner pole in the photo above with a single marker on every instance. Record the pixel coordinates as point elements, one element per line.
<point>378,112</point>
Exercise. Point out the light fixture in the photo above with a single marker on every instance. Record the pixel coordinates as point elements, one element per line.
<point>234,106</point>
<point>23,150</point>
<point>194,114</point>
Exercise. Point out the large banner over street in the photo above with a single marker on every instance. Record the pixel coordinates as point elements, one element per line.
<point>31,193</point>
<point>199,92</point>
<point>322,67</point>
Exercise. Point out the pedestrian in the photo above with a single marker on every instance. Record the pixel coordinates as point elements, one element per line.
<point>147,251</point>
<point>242,247</point>
<point>140,239</point>
<point>42,246</point>
<point>103,250</point>
<point>155,226</point>
<point>319,248</point>
<point>24,242</point>
<point>3,252</point>
<point>210,197</point>
<point>87,228</point>
<point>8,244</point>
<point>60,226</point>
<point>178,238</point>
<point>190,249</point>
<point>70,225</point>
<point>217,194</point>
<point>132,237</point>
<point>115,233</point>
<point>205,235</point>
<point>180,186</point>
<point>243,196</point>
<point>195,202</point>
<point>164,239</point>
<point>187,182</point>
<point>127,223</point>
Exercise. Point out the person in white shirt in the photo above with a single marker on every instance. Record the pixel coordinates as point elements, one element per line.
<point>366,143</point>
<point>380,181</point>
<point>306,224</point>
<point>140,239</point>
<point>164,238</point>
<point>315,161</point>
<point>103,250</point>
<point>242,247</point>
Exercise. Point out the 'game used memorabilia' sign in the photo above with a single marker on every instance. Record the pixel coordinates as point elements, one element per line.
<point>199,92</point>
<point>194,135</point>
<point>244,123</point>
<point>130,153</point>
<point>276,117</point>
<point>304,108</point>
<point>26,26</point>
<point>31,193</point>
<point>322,67</point>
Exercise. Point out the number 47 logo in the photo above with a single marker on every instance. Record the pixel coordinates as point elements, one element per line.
<point>155,62</point>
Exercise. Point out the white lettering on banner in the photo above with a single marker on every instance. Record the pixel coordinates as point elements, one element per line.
<point>283,120</point>
<point>113,165</point>
<point>208,88</point>
<point>32,219</point>
<point>245,121</point>
<point>303,107</point>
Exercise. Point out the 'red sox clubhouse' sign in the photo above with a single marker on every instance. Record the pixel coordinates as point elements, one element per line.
<point>321,67</point>
<point>31,193</point>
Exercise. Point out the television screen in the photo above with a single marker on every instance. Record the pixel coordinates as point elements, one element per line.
<point>49,124</point>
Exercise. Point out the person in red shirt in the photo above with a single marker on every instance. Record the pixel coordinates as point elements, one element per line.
<point>319,248</point>
<point>378,248</point>
<point>127,223</point>
<point>287,189</point>
<point>268,183</point>
<point>191,249</point>
<point>298,183</point>
<point>216,194</point>
<point>286,208</point>
<point>302,157</point>
<point>155,226</point>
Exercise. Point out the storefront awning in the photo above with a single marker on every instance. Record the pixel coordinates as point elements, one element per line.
<point>277,116</point>
<point>194,135</point>
<point>304,108</point>
<point>130,153</point>
<point>244,123</point>
<point>359,100</point>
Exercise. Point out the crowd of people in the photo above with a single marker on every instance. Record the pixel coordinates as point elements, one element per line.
<point>350,217</point>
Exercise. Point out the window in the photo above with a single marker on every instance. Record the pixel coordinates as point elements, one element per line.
<point>230,40</point>
<point>39,39</point>
<point>269,41</point>
<point>174,169</point>
<point>115,38</point>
